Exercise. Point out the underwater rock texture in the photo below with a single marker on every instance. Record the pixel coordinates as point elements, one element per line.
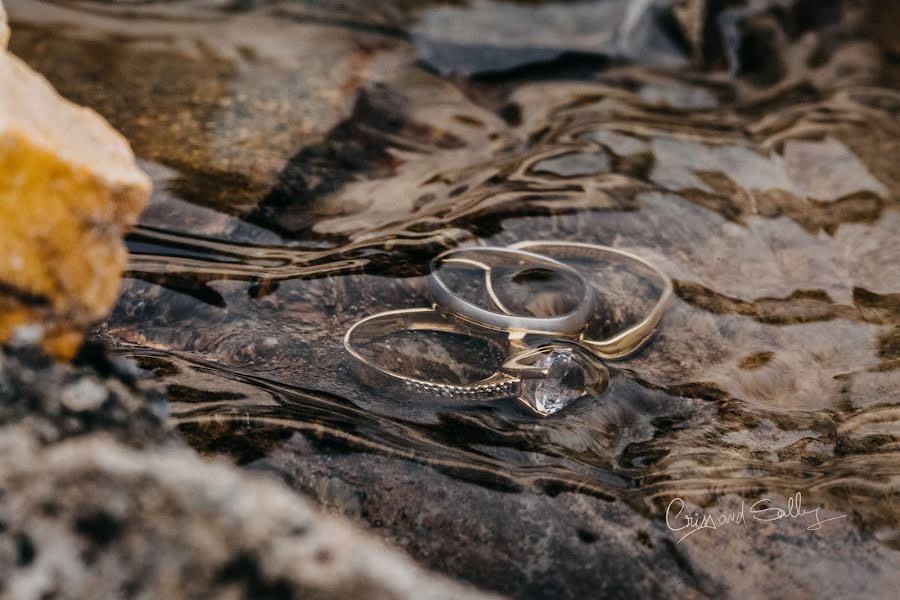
<point>488,37</point>
<point>98,500</point>
<point>69,190</point>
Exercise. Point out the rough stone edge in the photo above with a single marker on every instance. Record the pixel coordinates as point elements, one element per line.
<point>63,122</point>
<point>65,129</point>
<point>264,514</point>
<point>89,438</point>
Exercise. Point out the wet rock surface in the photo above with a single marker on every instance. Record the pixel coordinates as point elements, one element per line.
<point>575,544</point>
<point>488,37</point>
<point>99,499</point>
<point>763,183</point>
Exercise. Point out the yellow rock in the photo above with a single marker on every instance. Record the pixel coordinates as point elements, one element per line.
<point>69,190</point>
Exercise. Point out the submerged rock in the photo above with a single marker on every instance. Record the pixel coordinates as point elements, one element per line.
<point>100,501</point>
<point>69,189</point>
<point>488,37</point>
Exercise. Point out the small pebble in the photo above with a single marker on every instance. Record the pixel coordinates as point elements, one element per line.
<point>83,395</point>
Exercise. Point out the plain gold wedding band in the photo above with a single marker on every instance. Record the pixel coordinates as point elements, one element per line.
<point>631,339</point>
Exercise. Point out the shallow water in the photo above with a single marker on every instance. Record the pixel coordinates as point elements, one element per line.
<point>306,170</point>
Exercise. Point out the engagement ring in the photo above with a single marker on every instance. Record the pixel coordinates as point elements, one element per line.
<point>546,377</point>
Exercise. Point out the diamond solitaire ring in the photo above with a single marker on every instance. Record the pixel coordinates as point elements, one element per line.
<point>541,295</point>
<point>545,377</point>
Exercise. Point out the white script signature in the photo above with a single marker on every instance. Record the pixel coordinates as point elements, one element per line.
<point>761,510</point>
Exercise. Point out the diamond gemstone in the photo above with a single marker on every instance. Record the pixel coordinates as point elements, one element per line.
<point>563,384</point>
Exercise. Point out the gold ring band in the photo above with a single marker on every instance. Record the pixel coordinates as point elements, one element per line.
<point>631,339</point>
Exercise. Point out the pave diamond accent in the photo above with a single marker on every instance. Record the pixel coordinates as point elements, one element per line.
<point>563,384</point>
